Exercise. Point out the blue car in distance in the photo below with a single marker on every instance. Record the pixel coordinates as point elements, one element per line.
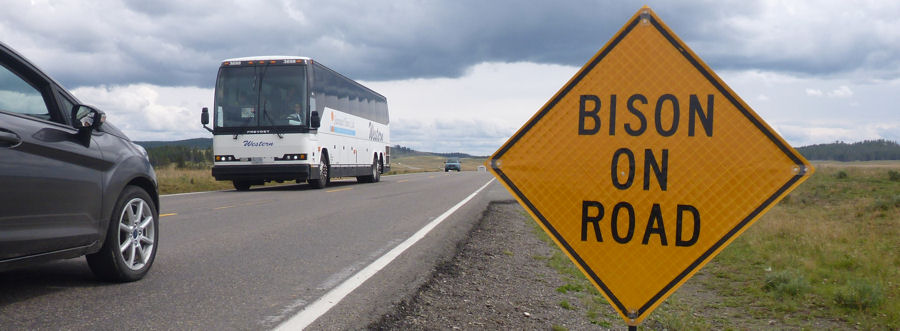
<point>452,164</point>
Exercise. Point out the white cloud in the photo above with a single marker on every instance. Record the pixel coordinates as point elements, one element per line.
<point>149,112</point>
<point>479,111</point>
<point>475,113</point>
<point>841,92</point>
<point>804,134</point>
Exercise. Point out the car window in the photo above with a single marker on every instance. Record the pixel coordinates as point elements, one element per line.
<point>66,104</point>
<point>17,96</point>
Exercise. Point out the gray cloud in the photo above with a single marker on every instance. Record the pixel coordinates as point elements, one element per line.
<point>177,43</point>
<point>477,137</point>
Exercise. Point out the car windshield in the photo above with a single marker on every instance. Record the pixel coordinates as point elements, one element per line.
<point>452,160</point>
<point>261,96</point>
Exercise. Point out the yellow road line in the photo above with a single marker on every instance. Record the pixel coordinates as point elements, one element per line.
<point>340,189</point>
<point>251,203</point>
<point>431,176</point>
<point>169,214</point>
<point>404,180</point>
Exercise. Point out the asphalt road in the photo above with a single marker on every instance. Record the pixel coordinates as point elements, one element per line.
<point>252,260</point>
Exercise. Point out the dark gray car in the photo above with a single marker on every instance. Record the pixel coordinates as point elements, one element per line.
<point>70,184</point>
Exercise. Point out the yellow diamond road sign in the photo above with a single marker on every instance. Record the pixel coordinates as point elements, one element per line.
<point>645,165</point>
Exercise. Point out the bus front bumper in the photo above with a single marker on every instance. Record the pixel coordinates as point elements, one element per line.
<point>263,173</point>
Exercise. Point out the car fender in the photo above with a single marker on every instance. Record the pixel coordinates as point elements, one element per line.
<point>130,168</point>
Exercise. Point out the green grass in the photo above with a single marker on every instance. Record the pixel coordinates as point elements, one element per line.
<point>830,250</point>
<point>179,180</point>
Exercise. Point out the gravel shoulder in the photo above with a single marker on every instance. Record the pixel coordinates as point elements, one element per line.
<point>499,280</point>
<point>508,275</point>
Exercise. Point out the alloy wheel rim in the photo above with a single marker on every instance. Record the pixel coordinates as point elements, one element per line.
<point>136,234</point>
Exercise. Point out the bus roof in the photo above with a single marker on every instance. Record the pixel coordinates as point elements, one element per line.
<point>268,57</point>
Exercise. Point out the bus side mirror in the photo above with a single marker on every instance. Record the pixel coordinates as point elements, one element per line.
<point>315,121</point>
<point>204,118</point>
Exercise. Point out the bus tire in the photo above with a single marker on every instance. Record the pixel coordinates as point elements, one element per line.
<point>324,174</point>
<point>373,176</point>
<point>379,169</point>
<point>241,185</point>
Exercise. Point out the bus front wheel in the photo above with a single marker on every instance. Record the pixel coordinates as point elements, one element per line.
<point>324,174</point>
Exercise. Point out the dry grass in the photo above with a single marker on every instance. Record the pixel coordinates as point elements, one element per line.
<point>831,249</point>
<point>177,180</point>
<point>421,163</point>
<point>173,180</point>
<point>827,256</point>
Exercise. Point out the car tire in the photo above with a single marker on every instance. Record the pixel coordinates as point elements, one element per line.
<point>241,185</point>
<point>324,174</point>
<point>134,224</point>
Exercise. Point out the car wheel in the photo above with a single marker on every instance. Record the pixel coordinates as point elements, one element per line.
<point>324,174</point>
<point>130,246</point>
<point>241,185</point>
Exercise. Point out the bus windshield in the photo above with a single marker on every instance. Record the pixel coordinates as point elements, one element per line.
<point>261,96</point>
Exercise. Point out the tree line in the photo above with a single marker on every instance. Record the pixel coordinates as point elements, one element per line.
<point>183,157</point>
<point>398,150</point>
<point>867,150</point>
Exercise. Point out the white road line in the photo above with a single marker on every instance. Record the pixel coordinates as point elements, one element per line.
<point>321,306</point>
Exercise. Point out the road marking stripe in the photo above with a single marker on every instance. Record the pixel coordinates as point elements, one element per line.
<point>310,313</point>
<point>403,180</point>
<point>217,208</point>
<point>169,214</point>
<point>190,193</point>
<point>338,190</point>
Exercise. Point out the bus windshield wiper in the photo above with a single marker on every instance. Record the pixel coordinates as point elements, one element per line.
<point>266,116</point>
<point>259,96</point>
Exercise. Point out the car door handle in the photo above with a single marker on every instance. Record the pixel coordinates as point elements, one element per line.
<point>9,139</point>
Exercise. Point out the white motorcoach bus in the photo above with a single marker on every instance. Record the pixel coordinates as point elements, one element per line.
<point>283,118</point>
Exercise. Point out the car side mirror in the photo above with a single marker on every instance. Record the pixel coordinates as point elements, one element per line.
<point>204,118</point>
<point>85,118</point>
<point>315,121</point>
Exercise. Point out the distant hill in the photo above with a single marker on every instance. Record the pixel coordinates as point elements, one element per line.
<point>868,150</point>
<point>201,143</point>
<point>398,150</point>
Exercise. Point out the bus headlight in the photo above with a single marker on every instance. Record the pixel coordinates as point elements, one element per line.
<point>292,157</point>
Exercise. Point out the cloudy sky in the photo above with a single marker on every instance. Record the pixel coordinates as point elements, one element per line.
<point>464,75</point>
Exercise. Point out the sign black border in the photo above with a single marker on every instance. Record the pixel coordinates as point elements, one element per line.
<point>712,79</point>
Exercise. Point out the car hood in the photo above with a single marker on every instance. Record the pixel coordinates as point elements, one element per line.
<point>113,130</point>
